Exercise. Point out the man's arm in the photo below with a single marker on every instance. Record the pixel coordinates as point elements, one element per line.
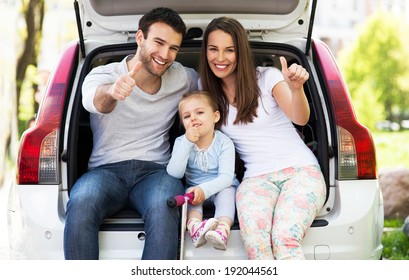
<point>103,98</point>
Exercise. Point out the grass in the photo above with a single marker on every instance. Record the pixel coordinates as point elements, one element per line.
<point>396,243</point>
<point>392,151</point>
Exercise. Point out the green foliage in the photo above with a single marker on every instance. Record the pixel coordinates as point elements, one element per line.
<point>26,106</point>
<point>396,223</point>
<point>391,149</point>
<point>395,242</point>
<point>374,70</point>
<point>367,108</point>
<point>396,245</point>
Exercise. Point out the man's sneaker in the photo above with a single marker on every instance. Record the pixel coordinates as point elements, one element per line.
<point>198,237</point>
<point>218,239</point>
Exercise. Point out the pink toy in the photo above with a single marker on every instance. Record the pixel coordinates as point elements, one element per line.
<point>179,200</point>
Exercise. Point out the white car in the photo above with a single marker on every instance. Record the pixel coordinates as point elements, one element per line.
<point>55,152</point>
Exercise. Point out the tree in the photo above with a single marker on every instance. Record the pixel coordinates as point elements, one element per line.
<point>375,64</point>
<point>33,11</point>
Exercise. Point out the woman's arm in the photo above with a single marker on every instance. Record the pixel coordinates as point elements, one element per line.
<point>290,95</point>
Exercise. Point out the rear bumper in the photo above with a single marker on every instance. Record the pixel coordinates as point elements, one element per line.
<point>355,225</point>
<point>354,230</point>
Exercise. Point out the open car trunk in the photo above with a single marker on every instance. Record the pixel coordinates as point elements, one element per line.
<point>265,54</point>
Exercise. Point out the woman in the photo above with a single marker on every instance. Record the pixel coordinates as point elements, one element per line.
<point>283,188</point>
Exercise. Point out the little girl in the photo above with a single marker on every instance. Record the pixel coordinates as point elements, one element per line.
<point>205,157</point>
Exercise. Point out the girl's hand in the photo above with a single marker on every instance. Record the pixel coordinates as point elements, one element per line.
<point>192,133</point>
<point>199,195</point>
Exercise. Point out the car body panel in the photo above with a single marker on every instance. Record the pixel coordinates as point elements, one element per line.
<point>264,18</point>
<point>345,237</point>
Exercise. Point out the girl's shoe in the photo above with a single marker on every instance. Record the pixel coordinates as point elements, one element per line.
<point>198,236</point>
<point>217,238</point>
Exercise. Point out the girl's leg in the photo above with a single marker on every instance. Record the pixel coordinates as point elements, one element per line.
<point>302,196</point>
<point>225,205</point>
<point>224,202</point>
<point>198,228</point>
<point>194,215</point>
<point>194,218</point>
<point>256,198</point>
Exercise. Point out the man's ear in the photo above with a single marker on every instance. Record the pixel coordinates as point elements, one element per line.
<point>139,37</point>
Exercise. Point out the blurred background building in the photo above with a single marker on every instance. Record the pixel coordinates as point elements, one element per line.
<point>337,22</point>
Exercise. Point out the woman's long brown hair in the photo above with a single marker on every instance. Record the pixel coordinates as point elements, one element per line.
<point>247,91</point>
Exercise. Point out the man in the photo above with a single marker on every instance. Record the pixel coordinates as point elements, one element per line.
<point>132,104</point>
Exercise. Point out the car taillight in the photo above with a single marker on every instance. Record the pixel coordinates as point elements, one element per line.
<point>356,149</point>
<point>38,159</point>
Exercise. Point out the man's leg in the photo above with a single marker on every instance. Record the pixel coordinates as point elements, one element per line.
<point>149,197</point>
<point>97,194</point>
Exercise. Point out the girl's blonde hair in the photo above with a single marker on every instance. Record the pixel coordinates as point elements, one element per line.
<point>201,94</point>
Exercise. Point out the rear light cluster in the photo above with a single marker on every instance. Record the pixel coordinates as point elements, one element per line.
<point>38,159</point>
<point>356,149</point>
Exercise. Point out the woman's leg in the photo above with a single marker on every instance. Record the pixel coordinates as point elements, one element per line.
<point>302,196</point>
<point>255,199</point>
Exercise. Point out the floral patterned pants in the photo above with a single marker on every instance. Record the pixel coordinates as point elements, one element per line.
<point>276,209</point>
